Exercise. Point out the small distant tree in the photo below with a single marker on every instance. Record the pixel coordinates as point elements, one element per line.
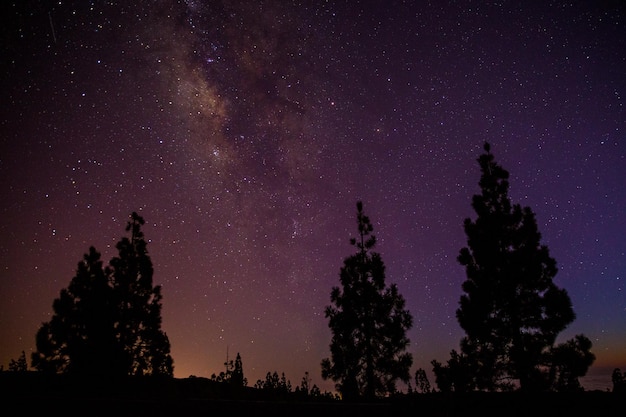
<point>568,362</point>
<point>305,385</point>
<point>233,373</point>
<point>237,378</point>
<point>456,376</point>
<point>19,365</point>
<point>285,384</point>
<point>369,324</point>
<point>619,381</point>
<point>315,391</point>
<point>274,384</point>
<point>422,384</point>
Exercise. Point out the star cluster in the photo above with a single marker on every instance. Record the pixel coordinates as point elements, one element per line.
<point>245,132</point>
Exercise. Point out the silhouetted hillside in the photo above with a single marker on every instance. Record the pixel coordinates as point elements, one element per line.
<point>32,393</point>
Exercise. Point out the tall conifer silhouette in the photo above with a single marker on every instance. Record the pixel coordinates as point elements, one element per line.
<point>511,310</point>
<point>368,322</point>
<point>147,348</point>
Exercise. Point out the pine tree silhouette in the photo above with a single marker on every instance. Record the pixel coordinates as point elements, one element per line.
<point>368,322</point>
<point>108,321</point>
<point>80,338</point>
<point>511,309</point>
<point>146,346</point>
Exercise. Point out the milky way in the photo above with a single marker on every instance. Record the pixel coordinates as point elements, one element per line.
<point>245,132</point>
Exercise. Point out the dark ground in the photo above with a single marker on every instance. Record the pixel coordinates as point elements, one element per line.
<point>32,394</point>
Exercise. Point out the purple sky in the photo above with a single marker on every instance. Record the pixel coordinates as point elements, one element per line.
<point>244,134</point>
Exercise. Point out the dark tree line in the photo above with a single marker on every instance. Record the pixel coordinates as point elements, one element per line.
<point>18,365</point>
<point>233,374</point>
<point>108,320</point>
<point>273,386</point>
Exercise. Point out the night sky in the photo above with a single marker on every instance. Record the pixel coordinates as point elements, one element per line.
<point>245,132</point>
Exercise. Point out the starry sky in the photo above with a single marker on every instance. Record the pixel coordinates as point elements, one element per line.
<point>244,132</point>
